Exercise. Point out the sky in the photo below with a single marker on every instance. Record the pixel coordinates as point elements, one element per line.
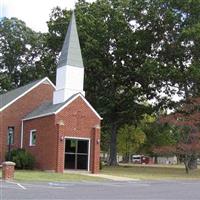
<point>35,13</point>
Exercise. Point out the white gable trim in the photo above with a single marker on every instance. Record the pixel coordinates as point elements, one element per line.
<point>88,104</point>
<point>51,83</point>
<point>44,79</point>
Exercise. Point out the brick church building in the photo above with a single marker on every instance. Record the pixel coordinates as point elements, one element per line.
<point>56,124</point>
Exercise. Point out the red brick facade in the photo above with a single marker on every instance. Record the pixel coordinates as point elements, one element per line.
<point>51,131</point>
<point>46,141</point>
<point>12,115</point>
<point>76,120</point>
<point>72,125</point>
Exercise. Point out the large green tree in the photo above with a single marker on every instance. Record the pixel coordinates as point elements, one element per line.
<point>115,58</point>
<point>133,51</point>
<point>20,50</point>
<point>175,28</point>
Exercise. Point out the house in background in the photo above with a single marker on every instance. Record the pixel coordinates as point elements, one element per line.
<point>56,124</point>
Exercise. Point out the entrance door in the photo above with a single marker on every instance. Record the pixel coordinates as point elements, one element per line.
<point>76,154</point>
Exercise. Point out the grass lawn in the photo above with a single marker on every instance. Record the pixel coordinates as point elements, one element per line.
<point>28,175</point>
<point>145,172</point>
<point>152,172</point>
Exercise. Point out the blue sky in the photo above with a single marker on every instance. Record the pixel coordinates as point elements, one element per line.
<point>34,12</point>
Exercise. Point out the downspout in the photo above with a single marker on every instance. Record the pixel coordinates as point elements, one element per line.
<point>22,134</point>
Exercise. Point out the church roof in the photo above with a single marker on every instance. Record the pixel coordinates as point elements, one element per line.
<point>10,97</point>
<point>71,51</point>
<point>48,108</point>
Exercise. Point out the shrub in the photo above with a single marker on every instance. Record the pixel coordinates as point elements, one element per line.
<point>22,158</point>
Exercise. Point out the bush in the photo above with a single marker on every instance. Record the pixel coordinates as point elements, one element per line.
<point>22,158</point>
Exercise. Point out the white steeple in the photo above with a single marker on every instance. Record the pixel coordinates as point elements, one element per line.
<point>70,69</point>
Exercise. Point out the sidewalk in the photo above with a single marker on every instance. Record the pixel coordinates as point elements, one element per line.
<point>113,178</point>
<point>105,176</point>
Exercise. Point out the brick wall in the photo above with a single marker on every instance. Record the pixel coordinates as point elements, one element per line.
<point>85,128</point>
<point>13,114</point>
<point>46,141</point>
<point>96,151</point>
<point>49,150</point>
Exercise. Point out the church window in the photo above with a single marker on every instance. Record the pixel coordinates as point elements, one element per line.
<point>32,138</point>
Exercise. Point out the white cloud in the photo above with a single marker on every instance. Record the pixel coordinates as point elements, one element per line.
<point>34,12</point>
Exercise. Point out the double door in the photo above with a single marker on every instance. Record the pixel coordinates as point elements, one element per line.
<point>76,154</point>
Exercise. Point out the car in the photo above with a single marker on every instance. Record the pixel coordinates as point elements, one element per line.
<point>140,159</point>
<point>137,159</point>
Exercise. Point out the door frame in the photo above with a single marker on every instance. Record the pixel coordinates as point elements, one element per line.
<point>81,138</point>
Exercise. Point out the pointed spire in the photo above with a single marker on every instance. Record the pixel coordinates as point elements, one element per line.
<point>71,51</point>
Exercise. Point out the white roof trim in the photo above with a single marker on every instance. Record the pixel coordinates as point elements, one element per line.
<point>44,79</point>
<point>51,83</point>
<point>88,104</point>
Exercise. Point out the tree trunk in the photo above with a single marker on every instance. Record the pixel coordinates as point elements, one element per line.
<point>186,163</point>
<point>130,158</point>
<point>113,146</point>
<point>126,158</point>
<point>186,167</point>
<point>155,159</point>
<point>192,164</point>
<point>192,161</point>
<point>178,159</point>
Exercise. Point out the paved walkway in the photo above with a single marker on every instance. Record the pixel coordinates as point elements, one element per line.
<point>106,176</point>
<point>113,178</point>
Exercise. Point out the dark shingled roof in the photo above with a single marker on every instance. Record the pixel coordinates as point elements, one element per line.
<point>47,108</point>
<point>10,96</point>
<point>71,51</point>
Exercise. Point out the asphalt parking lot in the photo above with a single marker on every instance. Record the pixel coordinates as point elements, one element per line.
<point>141,190</point>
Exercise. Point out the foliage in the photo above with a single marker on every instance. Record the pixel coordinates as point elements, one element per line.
<point>187,119</point>
<point>22,158</point>
<point>158,135</point>
<point>174,30</point>
<point>115,83</point>
<point>20,50</point>
<point>104,140</point>
<point>129,140</point>
<point>133,51</point>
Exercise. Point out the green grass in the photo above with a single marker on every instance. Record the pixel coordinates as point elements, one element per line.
<point>152,172</point>
<point>144,172</point>
<point>28,175</point>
